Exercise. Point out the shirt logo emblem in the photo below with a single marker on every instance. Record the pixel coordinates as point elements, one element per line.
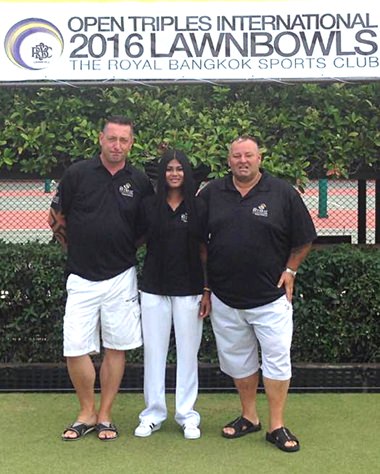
<point>184,217</point>
<point>260,211</point>
<point>125,190</point>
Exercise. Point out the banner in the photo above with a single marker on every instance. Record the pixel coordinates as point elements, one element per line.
<point>121,41</point>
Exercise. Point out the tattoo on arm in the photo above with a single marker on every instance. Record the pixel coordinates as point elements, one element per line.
<point>57,223</point>
<point>297,256</point>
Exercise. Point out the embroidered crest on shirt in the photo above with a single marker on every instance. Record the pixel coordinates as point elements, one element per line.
<point>125,190</point>
<point>184,217</point>
<point>260,210</point>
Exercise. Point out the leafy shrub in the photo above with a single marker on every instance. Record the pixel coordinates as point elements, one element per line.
<point>32,299</point>
<point>336,306</point>
<point>304,128</point>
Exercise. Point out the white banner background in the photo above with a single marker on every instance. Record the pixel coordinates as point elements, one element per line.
<point>165,41</point>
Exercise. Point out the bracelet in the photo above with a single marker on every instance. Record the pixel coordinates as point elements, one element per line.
<point>292,272</point>
<point>206,288</point>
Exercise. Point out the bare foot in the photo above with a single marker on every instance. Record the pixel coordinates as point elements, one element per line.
<point>106,430</point>
<point>77,430</point>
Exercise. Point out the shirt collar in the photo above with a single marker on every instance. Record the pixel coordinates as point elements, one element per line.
<point>98,164</point>
<point>262,186</point>
<point>180,208</point>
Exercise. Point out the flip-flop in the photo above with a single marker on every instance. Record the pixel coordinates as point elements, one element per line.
<point>81,430</point>
<point>106,426</point>
<point>280,437</point>
<point>242,427</point>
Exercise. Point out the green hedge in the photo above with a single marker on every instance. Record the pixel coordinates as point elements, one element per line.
<point>337,306</point>
<point>305,129</point>
<point>31,302</point>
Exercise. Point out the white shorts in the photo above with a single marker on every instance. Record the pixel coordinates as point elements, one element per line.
<point>239,331</point>
<point>109,307</point>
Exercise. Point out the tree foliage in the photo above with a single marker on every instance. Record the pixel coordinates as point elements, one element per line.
<point>304,129</point>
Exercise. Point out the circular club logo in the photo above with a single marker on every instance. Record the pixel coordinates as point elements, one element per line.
<point>33,43</point>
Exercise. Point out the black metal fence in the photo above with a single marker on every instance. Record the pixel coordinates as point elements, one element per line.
<point>306,378</point>
<point>342,210</point>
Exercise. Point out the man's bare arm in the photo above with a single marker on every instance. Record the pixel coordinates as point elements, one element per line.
<point>205,303</point>
<point>57,223</point>
<point>296,257</point>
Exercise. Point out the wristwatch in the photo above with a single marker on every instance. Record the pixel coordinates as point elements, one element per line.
<point>292,272</point>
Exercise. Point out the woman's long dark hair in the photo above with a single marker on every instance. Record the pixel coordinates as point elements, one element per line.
<point>188,192</point>
<point>160,223</point>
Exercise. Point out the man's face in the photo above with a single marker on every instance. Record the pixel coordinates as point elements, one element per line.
<point>115,142</point>
<point>244,159</point>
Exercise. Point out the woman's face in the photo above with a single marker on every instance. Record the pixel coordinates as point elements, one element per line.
<point>174,174</point>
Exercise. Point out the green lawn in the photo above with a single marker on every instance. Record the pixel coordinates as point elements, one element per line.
<point>338,434</point>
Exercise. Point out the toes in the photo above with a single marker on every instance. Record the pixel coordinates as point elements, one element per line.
<point>290,444</point>
<point>71,435</point>
<point>107,435</point>
<point>229,431</point>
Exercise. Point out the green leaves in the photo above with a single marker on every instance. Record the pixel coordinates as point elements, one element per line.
<point>305,129</point>
<point>32,301</point>
<point>336,306</point>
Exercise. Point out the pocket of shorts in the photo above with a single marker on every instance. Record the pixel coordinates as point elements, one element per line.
<point>288,305</point>
<point>133,306</point>
<point>72,282</point>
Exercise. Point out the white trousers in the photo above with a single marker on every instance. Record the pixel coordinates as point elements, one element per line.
<point>158,313</point>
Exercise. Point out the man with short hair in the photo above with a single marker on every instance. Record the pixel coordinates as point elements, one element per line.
<point>93,216</point>
<point>259,232</point>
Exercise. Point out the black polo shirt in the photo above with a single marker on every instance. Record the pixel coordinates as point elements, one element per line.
<point>170,267</point>
<point>100,211</point>
<point>251,237</point>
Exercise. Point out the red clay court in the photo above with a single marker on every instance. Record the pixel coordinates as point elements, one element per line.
<point>24,209</point>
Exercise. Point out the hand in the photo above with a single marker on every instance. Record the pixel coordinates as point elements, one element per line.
<point>287,281</point>
<point>205,305</point>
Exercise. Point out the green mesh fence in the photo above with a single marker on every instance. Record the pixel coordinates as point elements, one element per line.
<point>335,207</point>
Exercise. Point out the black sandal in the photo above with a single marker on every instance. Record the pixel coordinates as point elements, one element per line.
<point>80,429</point>
<point>100,427</point>
<point>280,437</point>
<point>242,427</point>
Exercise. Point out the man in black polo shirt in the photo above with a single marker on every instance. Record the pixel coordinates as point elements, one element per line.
<point>93,216</point>
<point>259,233</point>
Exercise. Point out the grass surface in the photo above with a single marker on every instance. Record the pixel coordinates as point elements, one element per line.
<point>338,434</point>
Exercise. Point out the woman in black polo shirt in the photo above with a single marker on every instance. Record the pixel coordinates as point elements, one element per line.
<point>172,291</point>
